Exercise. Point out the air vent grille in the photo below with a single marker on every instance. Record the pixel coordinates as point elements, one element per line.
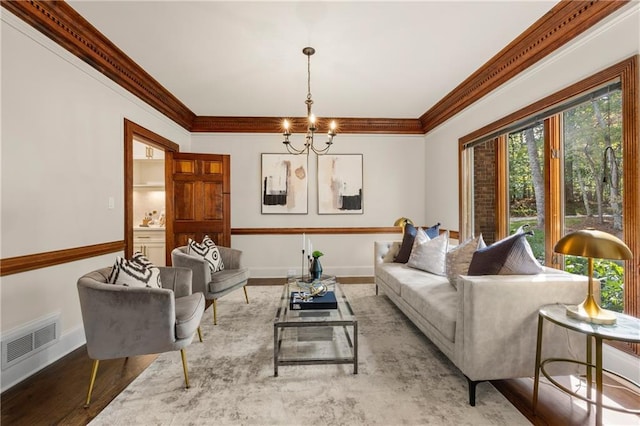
<point>29,339</point>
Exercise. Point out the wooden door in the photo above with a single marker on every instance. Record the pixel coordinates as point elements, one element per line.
<point>198,198</point>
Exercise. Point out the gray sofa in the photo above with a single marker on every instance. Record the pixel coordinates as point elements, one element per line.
<point>487,326</point>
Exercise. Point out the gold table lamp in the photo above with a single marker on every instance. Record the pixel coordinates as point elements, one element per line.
<point>402,222</point>
<point>592,243</point>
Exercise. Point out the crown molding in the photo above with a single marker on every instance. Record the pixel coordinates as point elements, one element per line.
<point>565,21</point>
<point>60,22</point>
<point>299,125</point>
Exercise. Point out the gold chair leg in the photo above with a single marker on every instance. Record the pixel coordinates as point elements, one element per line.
<point>246,297</point>
<point>215,313</point>
<point>200,334</point>
<point>184,367</point>
<point>94,372</point>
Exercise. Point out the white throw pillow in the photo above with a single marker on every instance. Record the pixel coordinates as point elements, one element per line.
<point>137,272</point>
<point>208,251</point>
<point>459,258</point>
<point>429,254</point>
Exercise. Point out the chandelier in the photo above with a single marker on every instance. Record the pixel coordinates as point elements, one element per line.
<point>312,121</point>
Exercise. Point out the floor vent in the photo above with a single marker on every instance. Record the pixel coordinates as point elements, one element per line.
<point>29,339</point>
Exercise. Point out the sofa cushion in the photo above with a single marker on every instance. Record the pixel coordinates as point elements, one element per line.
<point>227,278</point>
<point>390,273</point>
<point>436,300</point>
<point>208,251</point>
<point>459,258</point>
<point>429,254</point>
<point>136,272</point>
<point>188,313</point>
<point>509,256</point>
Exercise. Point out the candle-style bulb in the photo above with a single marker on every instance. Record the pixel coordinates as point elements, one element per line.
<point>286,125</point>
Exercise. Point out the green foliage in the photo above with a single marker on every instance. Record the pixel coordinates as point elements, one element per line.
<point>610,274</point>
<point>317,253</point>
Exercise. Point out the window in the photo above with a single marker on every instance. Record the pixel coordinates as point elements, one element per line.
<point>562,164</point>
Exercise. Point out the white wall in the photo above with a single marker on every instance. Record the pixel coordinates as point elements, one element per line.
<point>393,186</point>
<point>614,40</point>
<point>62,159</point>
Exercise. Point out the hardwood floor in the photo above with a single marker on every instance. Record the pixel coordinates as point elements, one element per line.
<point>55,395</point>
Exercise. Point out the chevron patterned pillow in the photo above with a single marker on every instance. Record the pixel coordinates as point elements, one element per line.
<point>137,272</point>
<point>208,251</point>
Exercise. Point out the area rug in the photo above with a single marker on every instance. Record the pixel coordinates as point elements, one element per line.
<point>402,377</point>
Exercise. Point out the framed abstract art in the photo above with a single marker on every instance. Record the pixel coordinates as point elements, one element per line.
<point>340,184</point>
<point>284,184</point>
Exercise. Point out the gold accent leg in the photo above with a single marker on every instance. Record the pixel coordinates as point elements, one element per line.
<point>536,381</point>
<point>598,381</point>
<point>589,371</point>
<point>184,367</point>
<point>200,334</point>
<point>215,313</point>
<point>94,373</point>
<point>246,297</point>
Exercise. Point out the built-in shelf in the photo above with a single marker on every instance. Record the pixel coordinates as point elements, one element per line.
<point>148,186</point>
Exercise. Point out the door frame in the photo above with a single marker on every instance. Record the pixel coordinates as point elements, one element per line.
<point>131,131</point>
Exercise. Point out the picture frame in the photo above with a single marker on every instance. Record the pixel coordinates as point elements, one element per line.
<point>284,184</point>
<point>340,184</point>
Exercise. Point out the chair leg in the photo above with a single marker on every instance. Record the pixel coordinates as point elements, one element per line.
<point>94,372</point>
<point>184,367</point>
<point>200,334</point>
<point>215,313</point>
<point>246,297</point>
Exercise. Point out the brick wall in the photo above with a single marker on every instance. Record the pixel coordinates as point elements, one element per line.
<point>484,190</point>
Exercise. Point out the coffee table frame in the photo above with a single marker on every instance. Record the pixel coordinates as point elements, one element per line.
<point>342,317</point>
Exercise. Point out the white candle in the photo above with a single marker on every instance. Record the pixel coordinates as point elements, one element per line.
<point>310,247</point>
<point>303,242</point>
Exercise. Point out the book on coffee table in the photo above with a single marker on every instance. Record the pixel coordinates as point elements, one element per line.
<point>328,301</point>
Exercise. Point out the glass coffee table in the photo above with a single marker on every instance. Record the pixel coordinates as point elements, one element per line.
<point>315,336</point>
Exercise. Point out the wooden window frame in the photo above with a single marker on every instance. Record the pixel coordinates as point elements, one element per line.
<point>627,73</point>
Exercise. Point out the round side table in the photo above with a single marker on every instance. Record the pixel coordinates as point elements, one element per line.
<point>626,329</point>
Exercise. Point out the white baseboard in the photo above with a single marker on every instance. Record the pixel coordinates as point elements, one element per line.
<point>68,342</point>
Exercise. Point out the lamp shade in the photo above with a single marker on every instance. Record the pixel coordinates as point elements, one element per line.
<point>402,221</point>
<point>593,243</point>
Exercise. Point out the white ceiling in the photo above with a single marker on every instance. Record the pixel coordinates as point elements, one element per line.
<point>373,59</point>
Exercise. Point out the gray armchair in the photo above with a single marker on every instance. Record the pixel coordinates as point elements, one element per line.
<point>122,321</point>
<point>216,285</point>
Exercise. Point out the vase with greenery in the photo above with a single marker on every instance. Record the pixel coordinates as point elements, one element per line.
<point>315,268</point>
